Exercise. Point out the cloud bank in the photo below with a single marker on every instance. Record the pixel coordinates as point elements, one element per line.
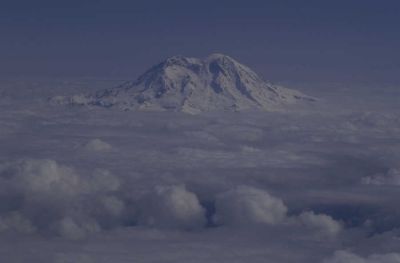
<point>348,257</point>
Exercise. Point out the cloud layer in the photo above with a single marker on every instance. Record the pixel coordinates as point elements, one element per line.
<point>348,257</point>
<point>101,186</point>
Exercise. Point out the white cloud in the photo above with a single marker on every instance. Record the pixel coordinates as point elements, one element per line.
<point>97,145</point>
<point>322,224</point>
<point>392,177</point>
<point>172,207</point>
<point>70,229</point>
<point>47,196</point>
<point>14,221</point>
<point>348,257</point>
<point>246,206</point>
<point>47,177</point>
<point>102,181</point>
<point>43,176</point>
<point>112,205</point>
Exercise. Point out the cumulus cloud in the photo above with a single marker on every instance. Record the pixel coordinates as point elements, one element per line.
<point>43,176</point>
<point>112,205</point>
<point>69,228</point>
<point>102,181</point>
<point>47,177</point>
<point>14,221</point>
<point>348,257</point>
<point>45,196</point>
<point>392,177</point>
<point>172,207</point>
<point>246,206</point>
<point>40,194</point>
<point>97,145</point>
<point>320,223</point>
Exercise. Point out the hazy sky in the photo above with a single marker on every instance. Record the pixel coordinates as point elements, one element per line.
<point>345,41</point>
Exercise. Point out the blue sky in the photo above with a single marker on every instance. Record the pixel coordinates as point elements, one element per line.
<point>311,41</point>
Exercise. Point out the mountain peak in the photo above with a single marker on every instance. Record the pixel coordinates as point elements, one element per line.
<point>218,56</point>
<point>215,83</point>
<point>178,60</point>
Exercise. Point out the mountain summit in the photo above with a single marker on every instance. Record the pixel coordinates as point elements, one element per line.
<point>192,85</point>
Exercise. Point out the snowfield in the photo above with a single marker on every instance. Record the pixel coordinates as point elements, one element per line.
<point>93,185</point>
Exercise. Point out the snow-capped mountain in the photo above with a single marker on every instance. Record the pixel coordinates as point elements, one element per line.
<point>192,85</point>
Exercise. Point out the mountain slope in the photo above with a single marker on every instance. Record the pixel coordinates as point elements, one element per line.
<point>216,83</point>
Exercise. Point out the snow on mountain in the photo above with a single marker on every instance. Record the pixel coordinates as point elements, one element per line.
<point>192,85</point>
